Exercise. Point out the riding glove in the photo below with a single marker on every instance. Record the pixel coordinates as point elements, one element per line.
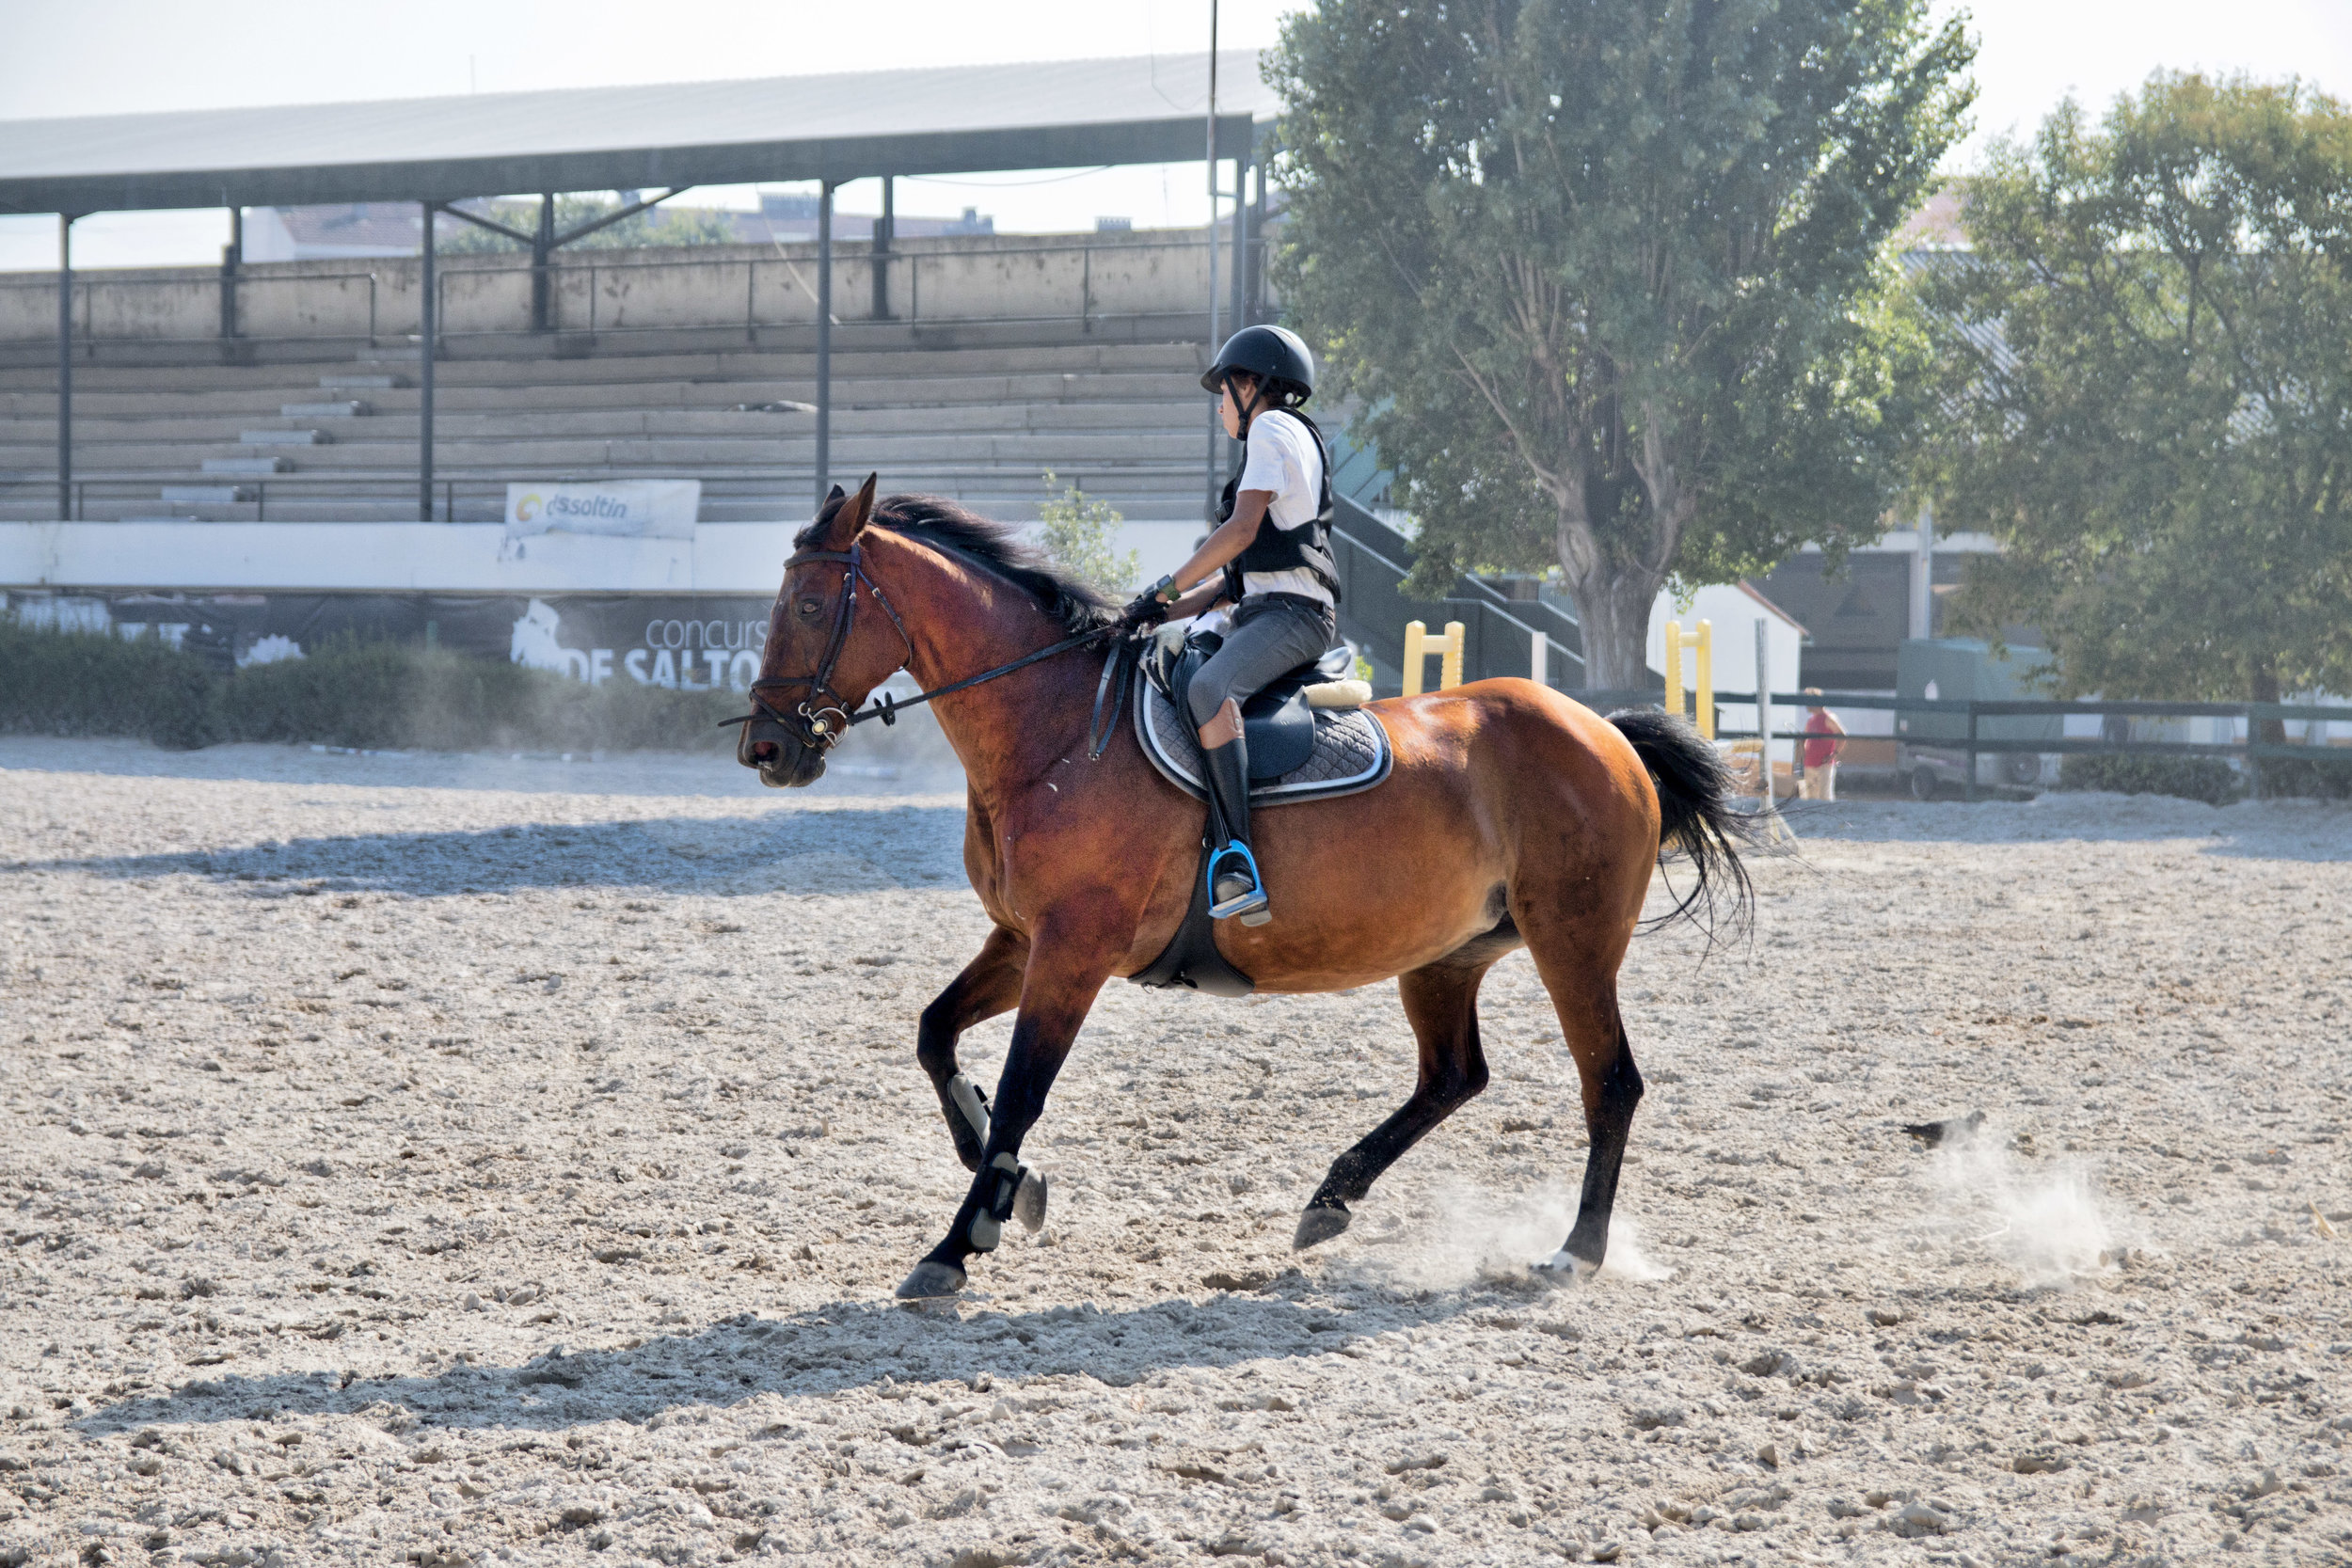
<point>1149,607</point>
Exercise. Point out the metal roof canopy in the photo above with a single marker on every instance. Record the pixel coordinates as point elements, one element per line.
<point>1061,114</point>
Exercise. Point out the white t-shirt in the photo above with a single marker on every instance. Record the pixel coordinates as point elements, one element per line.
<point>1282,458</point>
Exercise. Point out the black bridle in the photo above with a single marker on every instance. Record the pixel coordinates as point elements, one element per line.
<point>819,719</point>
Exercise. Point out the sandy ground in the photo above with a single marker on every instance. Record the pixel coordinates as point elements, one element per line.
<point>431,1160</point>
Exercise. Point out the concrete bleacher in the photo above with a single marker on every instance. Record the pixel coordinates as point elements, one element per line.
<point>977,416</point>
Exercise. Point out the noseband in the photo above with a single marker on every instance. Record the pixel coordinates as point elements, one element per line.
<point>819,719</point>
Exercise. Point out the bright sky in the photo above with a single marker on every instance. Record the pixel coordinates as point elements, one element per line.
<point>119,56</point>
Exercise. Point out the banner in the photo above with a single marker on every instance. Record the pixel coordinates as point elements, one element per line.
<point>687,643</point>
<point>624,508</point>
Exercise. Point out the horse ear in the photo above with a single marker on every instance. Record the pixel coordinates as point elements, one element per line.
<point>850,517</point>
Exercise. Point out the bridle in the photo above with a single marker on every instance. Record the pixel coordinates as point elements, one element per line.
<point>821,720</point>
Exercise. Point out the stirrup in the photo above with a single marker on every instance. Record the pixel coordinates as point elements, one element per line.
<point>1250,907</point>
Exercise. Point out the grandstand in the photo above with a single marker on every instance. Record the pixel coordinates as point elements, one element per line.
<point>1088,370</point>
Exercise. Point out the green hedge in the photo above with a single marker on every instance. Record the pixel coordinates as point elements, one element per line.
<point>2207,779</point>
<point>2327,777</point>
<point>374,695</point>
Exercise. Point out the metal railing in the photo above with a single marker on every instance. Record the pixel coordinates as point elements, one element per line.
<point>1965,732</point>
<point>483,498</point>
<point>1499,634</point>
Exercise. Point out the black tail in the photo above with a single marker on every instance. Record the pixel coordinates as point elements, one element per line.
<point>1694,793</point>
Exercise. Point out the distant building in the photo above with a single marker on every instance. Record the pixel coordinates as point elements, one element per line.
<point>1936,226</point>
<point>327,234</point>
<point>393,227</point>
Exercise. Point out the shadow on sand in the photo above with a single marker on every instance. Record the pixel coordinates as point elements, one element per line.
<point>840,1346</point>
<point>848,848</point>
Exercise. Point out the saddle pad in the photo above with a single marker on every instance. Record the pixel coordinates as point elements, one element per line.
<point>1351,752</point>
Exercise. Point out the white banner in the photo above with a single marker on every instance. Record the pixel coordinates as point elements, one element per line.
<point>625,508</point>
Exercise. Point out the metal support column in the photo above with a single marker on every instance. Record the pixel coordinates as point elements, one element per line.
<point>824,341</point>
<point>232,260</point>
<point>64,367</point>
<point>428,328</point>
<point>1241,244</point>
<point>542,257</point>
<point>885,232</point>
<point>1208,158</point>
<point>1257,311</point>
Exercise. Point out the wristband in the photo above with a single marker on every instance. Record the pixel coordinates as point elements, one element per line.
<point>1165,590</point>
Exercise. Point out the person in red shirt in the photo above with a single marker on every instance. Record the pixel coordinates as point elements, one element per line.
<point>1824,742</point>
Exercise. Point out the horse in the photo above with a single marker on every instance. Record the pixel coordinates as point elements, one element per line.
<point>1512,817</point>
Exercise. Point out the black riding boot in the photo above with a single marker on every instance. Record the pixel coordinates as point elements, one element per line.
<point>1234,887</point>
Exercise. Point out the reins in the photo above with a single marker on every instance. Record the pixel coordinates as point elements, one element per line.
<point>821,733</point>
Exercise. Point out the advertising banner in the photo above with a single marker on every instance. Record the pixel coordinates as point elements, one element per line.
<point>687,643</point>
<point>622,508</point>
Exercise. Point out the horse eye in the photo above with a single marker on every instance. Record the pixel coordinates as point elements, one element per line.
<point>810,607</point>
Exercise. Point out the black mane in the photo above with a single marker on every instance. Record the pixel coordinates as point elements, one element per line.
<point>946,526</point>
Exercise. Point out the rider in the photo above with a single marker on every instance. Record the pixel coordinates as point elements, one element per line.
<point>1270,559</point>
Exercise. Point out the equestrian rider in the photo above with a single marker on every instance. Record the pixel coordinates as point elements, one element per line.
<point>1270,560</point>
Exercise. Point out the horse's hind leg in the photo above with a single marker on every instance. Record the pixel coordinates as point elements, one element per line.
<point>1442,1003</point>
<point>1584,996</point>
<point>990,985</point>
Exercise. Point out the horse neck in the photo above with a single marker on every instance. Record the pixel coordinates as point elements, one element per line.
<point>963,619</point>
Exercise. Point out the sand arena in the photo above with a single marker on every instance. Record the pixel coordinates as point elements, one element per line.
<point>440,1161</point>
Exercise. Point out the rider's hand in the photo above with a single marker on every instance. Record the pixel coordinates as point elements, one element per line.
<point>1148,608</point>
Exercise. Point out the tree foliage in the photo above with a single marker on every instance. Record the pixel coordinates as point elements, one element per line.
<point>1080,533</point>
<point>2148,362</point>
<point>1618,270</point>
<point>658,226</point>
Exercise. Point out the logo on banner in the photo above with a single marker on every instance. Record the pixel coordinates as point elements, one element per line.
<point>626,508</point>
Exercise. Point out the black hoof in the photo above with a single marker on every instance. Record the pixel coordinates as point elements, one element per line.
<point>1028,1202</point>
<point>1319,1223</point>
<point>930,1279</point>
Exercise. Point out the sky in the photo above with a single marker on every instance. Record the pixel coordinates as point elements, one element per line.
<point>123,56</point>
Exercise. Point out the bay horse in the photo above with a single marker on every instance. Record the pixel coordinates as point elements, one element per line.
<point>1513,816</point>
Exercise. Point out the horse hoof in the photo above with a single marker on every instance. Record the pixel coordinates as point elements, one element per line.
<point>1566,1266</point>
<point>930,1280</point>
<point>1028,1202</point>
<point>1318,1224</point>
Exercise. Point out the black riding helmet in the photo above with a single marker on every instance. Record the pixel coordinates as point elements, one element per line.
<point>1275,355</point>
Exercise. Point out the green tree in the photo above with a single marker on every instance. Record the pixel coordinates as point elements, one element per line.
<point>1620,269</point>
<point>2148,363</point>
<point>658,225</point>
<point>1080,533</point>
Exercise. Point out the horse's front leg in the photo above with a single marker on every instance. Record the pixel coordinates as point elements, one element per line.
<point>1057,989</point>
<point>990,984</point>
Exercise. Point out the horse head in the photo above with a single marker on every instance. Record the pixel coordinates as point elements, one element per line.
<point>831,639</point>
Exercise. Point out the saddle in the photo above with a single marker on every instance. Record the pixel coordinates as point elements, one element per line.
<point>1298,750</point>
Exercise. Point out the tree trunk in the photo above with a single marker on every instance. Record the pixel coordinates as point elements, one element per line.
<point>1612,607</point>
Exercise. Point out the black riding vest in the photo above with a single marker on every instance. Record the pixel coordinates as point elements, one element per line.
<point>1286,549</point>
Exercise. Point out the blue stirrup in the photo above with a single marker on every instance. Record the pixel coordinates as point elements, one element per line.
<point>1247,900</point>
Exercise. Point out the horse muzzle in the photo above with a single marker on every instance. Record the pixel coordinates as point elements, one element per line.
<point>783,759</point>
